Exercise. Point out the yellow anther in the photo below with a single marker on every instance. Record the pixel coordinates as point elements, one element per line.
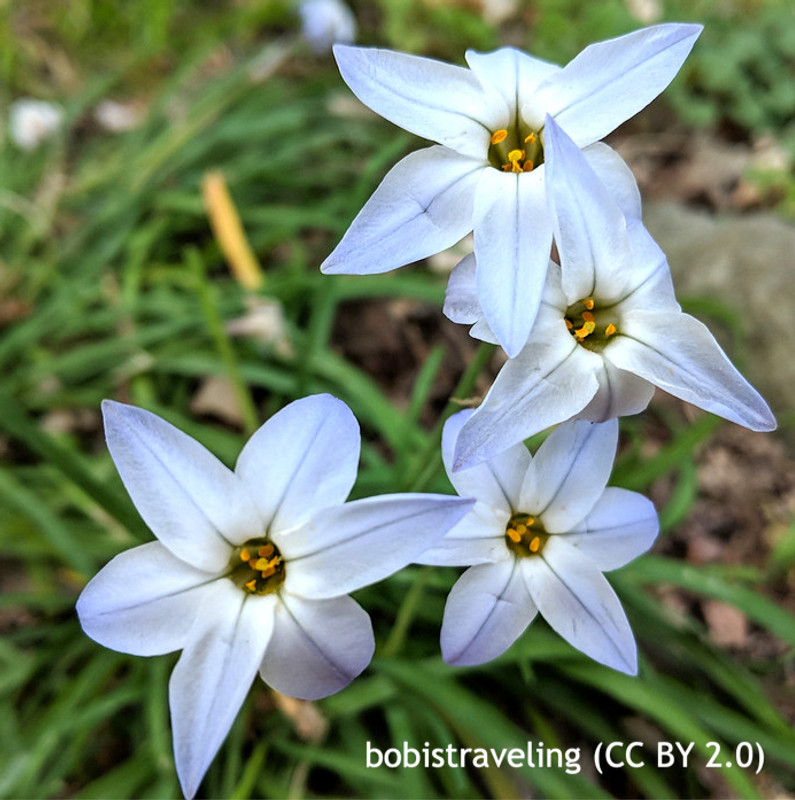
<point>589,304</point>
<point>568,324</point>
<point>521,529</point>
<point>530,139</point>
<point>535,544</point>
<point>610,329</point>
<point>252,562</point>
<point>531,521</point>
<point>265,551</point>
<point>266,573</point>
<point>245,555</point>
<point>261,563</point>
<point>513,535</point>
<point>586,330</point>
<point>499,136</point>
<point>528,166</point>
<point>587,316</point>
<point>514,157</point>
<point>252,585</point>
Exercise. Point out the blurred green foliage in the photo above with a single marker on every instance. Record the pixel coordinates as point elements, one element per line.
<point>111,285</point>
<point>743,71</point>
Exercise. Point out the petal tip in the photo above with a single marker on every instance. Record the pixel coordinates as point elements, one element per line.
<point>331,267</point>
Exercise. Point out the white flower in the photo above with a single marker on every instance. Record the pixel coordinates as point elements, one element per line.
<point>252,567</point>
<point>609,329</point>
<point>542,532</point>
<point>33,121</point>
<point>325,23</point>
<point>486,174</point>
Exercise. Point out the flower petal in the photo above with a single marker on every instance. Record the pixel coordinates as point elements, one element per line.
<point>461,302</point>
<point>350,546</point>
<point>423,206</point>
<point>622,525</point>
<point>590,230</point>
<point>514,75</point>
<point>214,673</point>
<point>569,473</point>
<point>649,283</point>
<point>318,646</point>
<point>620,394</point>
<point>677,353</point>
<point>578,602</point>
<point>478,539</point>
<point>487,610</point>
<point>437,101</point>
<point>190,500</point>
<point>303,459</point>
<point>143,601</point>
<point>551,380</point>
<point>617,177</point>
<point>481,331</point>
<point>513,236</point>
<point>610,81</point>
<point>496,482</point>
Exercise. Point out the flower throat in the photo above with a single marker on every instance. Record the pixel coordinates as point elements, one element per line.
<point>257,567</point>
<point>516,150</point>
<point>590,325</point>
<point>525,536</point>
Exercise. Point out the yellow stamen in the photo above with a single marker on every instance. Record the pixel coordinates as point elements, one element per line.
<point>514,157</point>
<point>521,529</point>
<point>266,573</point>
<point>252,562</point>
<point>530,139</point>
<point>245,555</point>
<point>568,324</point>
<point>610,330</point>
<point>531,521</point>
<point>586,330</point>
<point>252,585</point>
<point>535,544</point>
<point>499,136</point>
<point>589,304</point>
<point>587,316</point>
<point>265,551</point>
<point>528,166</point>
<point>513,535</point>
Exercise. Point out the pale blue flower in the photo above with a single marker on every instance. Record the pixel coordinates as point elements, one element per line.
<point>541,534</point>
<point>487,171</point>
<point>252,567</point>
<point>608,332</point>
<point>325,23</point>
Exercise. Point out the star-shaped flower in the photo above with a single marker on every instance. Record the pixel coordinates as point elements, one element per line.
<point>253,567</point>
<point>487,172</point>
<point>542,532</point>
<point>609,329</point>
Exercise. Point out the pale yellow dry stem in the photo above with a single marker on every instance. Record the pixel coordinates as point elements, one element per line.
<point>229,233</point>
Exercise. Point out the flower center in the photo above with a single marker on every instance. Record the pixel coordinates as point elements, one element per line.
<point>525,535</point>
<point>591,326</point>
<point>516,150</point>
<point>257,567</point>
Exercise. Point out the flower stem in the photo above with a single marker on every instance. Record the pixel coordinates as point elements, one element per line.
<point>429,465</point>
<point>405,615</point>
